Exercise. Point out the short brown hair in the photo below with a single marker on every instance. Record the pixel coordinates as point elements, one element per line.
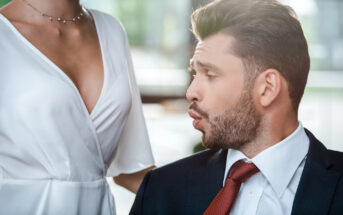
<point>266,35</point>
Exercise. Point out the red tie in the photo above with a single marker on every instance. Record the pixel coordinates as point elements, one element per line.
<point>223,202</point>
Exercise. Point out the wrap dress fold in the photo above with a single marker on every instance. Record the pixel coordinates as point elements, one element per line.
<point>54,155</point>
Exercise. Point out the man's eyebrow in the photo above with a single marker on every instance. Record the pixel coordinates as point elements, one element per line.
<point>202,65</point>
<point>206,65</point>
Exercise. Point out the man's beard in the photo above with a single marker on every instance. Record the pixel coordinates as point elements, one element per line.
<point>235,127</point>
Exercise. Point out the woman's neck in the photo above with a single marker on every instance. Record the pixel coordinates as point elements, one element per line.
<point>56,8</point>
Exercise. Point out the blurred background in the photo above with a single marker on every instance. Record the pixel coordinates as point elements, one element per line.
<point>162,44</point>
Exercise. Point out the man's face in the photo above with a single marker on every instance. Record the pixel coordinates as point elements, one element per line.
<point>221,101</point>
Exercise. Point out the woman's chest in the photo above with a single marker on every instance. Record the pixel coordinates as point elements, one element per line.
<point>77,53</point>
<point>31,84</point>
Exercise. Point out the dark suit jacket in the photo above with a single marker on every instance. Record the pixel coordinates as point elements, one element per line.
<point>189,185</point>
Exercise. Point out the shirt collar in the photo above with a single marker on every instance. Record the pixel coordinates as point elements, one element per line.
<point>279,162</point>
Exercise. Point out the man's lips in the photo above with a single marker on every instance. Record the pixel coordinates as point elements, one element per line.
<point>197,118</point>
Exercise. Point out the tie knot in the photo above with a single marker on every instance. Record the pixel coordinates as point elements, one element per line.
<point>241,171</point>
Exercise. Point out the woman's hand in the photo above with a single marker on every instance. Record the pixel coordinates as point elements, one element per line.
<point>131,181</point>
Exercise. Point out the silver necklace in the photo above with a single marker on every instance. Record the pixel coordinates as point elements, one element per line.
<point>58,19</point>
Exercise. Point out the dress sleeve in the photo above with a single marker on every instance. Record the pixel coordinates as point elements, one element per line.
<point>133,152</point>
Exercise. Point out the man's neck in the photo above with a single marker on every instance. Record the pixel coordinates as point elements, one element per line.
<point>270,133</point>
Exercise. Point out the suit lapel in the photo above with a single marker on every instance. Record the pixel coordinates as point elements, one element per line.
<point>205,183</point>
<point>318,181</point>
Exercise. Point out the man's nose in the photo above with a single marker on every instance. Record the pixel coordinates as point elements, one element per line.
<point>193,92</point>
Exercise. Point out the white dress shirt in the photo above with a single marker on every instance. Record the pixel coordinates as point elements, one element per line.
<point>271,191</point>
<point>54,155</point>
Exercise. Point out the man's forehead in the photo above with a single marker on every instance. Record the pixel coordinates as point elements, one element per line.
<point>199,48</point>
<point>199,44</point>
<point>214,45</point>
<point>202,50</point>
<point>216,41</point>
<point>191,62</point>
<point>209,49</point>
<point>201,60</point>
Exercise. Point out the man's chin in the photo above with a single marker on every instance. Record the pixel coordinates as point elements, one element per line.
<point>210,144</point>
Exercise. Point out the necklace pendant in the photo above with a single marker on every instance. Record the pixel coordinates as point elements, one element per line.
<point>59,19</point>
<point>64,21</point>
<point>50,18</point>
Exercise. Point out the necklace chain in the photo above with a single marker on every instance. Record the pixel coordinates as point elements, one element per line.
<point>58,19</point>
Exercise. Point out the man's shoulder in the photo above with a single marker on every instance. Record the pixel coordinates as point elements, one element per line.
<point>319,153</point>
<point>336,158</point>
<point>176,176</point>
<point>199,160</point>
<point>170,189</point>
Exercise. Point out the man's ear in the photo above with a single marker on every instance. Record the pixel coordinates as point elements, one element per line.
<point>268,86</point>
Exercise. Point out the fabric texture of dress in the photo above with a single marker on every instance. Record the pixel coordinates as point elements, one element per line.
<point>54,155</point>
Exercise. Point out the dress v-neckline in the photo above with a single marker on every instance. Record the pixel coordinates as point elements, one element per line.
<point>58,69</point>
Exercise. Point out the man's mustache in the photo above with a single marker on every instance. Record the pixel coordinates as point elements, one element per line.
<point>194,106</point>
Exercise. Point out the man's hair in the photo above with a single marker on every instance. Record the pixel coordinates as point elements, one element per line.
<point>266,35</point>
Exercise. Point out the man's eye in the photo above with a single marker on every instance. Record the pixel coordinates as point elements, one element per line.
<point>210,75</point>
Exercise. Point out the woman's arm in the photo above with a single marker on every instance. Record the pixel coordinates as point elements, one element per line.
<point>132,181</point>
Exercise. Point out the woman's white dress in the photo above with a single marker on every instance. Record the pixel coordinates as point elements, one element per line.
<point>54,155</point>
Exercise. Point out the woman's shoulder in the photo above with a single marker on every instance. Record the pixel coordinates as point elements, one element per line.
<point>3,19</point>
<point>6,29</point>
<point>111,23</point>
